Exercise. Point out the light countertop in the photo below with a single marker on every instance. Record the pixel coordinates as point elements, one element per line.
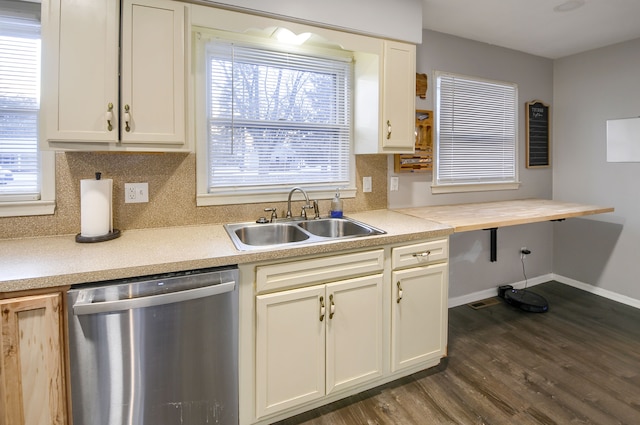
<point>46,262</point>
<point>486,215</point>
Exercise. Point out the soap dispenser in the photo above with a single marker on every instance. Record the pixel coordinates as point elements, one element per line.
<point>336,206</point>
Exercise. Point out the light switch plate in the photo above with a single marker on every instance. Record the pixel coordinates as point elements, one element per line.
<point>366,184</point>
<point>136,193</point>
<point>394,184</point>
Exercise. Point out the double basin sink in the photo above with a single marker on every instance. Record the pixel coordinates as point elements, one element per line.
<point>285,232</point>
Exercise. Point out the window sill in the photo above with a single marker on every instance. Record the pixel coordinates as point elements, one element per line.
<point>475,187</point>
<point>27,208</point>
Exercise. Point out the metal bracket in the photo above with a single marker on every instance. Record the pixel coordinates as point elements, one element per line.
<point>494,244</point>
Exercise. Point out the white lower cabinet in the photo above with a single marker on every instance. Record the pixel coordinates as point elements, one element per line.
<point>312,341</point>
<point>419,311</point>
<point>317,329</point>
<point>419,304</point>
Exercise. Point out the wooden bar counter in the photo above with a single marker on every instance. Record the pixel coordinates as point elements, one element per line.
<point>488,215</point>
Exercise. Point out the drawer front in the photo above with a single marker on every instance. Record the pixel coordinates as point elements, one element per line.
<point>420,254</point>
<point>318,270</point>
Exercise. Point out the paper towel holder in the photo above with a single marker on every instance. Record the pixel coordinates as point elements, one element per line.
<point>113,234</point>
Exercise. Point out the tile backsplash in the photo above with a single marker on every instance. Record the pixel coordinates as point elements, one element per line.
<point>172,193</point>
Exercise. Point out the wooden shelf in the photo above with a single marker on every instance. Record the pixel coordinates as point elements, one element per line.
<point>422,159</point>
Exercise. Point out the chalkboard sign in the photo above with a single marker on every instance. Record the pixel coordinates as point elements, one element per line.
<point>538,147</point>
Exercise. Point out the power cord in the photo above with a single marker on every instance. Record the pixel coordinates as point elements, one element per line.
<point>523,253</point>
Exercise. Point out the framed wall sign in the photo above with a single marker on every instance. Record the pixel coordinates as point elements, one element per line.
<point>538,141</point>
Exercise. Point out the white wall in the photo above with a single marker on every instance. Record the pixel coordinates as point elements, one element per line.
<point>471,270</point>
<point>397,19</point>
<point>589,88</point>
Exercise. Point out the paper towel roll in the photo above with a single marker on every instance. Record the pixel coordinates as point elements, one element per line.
<point>95,207</point>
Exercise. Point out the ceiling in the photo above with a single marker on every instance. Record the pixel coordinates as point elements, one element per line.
<point>533,26</point>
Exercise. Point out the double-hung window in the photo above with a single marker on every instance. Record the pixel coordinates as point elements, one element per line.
<point>476,142</point>
<point>26,176</point>
<point>276,117</point>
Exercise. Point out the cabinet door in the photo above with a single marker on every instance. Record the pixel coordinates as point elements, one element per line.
<point>80,59</point>
<point>152,103</point>
<point>398,98</point>
<point>33,388</point>
<point>419,315</point>
<point>290,344</point>
<point>354,331</point>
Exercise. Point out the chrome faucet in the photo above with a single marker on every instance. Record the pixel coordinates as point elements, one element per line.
<point>306,198</point>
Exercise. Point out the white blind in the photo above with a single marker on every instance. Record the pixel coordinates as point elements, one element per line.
<point>276,118</point>
<point>477,128</point>
<point>19,104</point>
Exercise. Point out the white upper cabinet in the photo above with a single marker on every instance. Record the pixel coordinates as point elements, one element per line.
<point>153,72</point>
<point>95,98</point>
<point>80,70</point>
<point>398,97</point>
<point>384,117</point>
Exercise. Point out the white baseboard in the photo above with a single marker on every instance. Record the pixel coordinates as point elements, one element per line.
<point>492,292</point>
<point>597,291</point>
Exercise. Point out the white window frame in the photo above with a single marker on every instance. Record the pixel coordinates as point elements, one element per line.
<point>43,202</point>
<point>236,195</point>
<point>367,50</point>
<point>477,183</point>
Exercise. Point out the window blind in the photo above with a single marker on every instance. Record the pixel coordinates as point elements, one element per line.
<point>277,118</point>
<point>477,128</point>
<point>19,104</point>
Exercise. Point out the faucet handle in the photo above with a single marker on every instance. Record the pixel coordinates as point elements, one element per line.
<point>316,209</point>
<point>274,214</point>
<point>304,210</point>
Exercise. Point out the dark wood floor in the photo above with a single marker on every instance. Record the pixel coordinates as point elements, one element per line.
<point>579,363</point>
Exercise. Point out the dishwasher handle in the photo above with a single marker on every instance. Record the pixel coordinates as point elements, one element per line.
<point>83,306</point>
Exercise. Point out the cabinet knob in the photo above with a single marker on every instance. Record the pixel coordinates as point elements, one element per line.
<point>399,293</point>
<point>322,309</point>
<point>388,129</point>
<point>127,118</point>
<point>109,116</point>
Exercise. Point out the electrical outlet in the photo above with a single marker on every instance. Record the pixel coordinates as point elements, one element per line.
<point>524,251</point>
<point>136,193</point>
<point>366,184</point>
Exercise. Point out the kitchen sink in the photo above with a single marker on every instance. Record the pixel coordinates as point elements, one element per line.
<point>337,228</point>
<point>270,234</point>
<point>286,232</point>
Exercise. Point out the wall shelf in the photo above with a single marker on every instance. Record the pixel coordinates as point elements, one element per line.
<point>422,160</point>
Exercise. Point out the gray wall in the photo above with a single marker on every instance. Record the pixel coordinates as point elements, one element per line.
<point>471,271</point>
<point>589,88</point>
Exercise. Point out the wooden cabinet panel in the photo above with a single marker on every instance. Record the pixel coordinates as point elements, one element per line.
<point>32,387</point>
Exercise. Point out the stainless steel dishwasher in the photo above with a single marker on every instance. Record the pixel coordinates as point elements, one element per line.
<point>155,350</point>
